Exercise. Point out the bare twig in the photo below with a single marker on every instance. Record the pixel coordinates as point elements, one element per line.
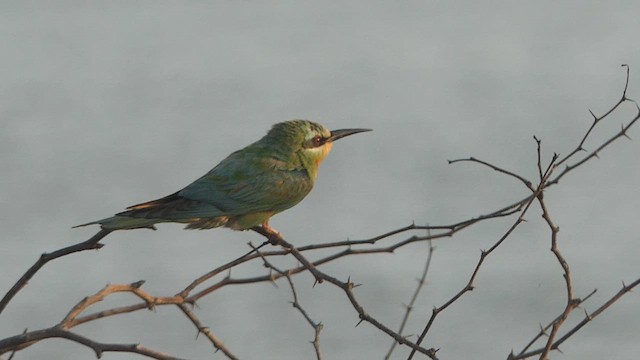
<point>92,243</point>
<point>597,119</point>
<point>246,257</point>
<point>347,287</point>
<point>526,182</point>
<point>99,348</point>
<point>572,303</point>
<point>414,297</point>
<point>483,255</point>
<point>217,343</point>
<point>61,330</point>
<point>317,327</point>
<point>73,319</point>
<point>588,318</point>
<point>543,330</point>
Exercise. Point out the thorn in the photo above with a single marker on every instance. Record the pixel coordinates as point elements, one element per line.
<point>359,322</point>
<point>151,305</point>
<point>542,330</point>
<point>595,118</point>
<point>138,284</point>
<point>624,132</point>
<point>624,286</point>
<point>596,155</point>
<point>558,350</point>
<point>575,302</point>
<point>272,279</point>
<point>586,315</point>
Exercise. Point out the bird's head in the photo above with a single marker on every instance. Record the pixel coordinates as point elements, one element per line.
<point>310,141</point>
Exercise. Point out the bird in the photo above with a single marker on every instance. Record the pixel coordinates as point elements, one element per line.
<point>245,189</point>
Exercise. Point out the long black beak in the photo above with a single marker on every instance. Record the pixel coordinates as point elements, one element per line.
<point>338,134</point>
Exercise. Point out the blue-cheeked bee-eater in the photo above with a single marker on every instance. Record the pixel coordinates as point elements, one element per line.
<point>247,188</point>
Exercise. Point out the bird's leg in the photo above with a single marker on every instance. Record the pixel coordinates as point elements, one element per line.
<point>273,235</point>
<point>271,230</point>
<point>275,238</point>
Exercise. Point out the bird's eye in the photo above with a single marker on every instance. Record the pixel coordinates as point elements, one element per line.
<point>318,140</point>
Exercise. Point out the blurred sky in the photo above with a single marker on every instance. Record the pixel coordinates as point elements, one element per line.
<point>108,104</point>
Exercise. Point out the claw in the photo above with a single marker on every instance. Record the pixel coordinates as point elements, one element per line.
<point>270,230</point>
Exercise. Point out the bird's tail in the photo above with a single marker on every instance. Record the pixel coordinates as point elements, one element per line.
<point>87,224</point>
<point>123,223</point>
<point>172,208</point>
<point>138,216</point>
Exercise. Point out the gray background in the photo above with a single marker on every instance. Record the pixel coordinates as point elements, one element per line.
<point>107,104</point>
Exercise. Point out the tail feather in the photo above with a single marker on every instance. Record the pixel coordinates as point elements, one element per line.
<point>122,223</point>
<point>153,203</point>
<point>172,208</point>
<point>87,224</point>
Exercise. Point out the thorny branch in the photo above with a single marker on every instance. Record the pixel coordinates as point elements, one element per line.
<point>544,182</point>
<point>317,327</point>
<point>61,330</point>
<point>588,317</point>
<point>543,330</point>
<point>92,243</point>
<point>409,307</point>
<point>187,297</point>
<point>483,255</point>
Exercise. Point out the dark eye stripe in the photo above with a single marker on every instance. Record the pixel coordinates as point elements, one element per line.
<point>315,141</point>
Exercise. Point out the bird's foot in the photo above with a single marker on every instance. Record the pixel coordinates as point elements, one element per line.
<point>275,238</point>
<point>273,235</point>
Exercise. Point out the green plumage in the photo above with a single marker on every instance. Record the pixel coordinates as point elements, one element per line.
<point>245,189</point>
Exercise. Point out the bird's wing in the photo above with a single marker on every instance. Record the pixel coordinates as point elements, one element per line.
<point>243,184</point>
